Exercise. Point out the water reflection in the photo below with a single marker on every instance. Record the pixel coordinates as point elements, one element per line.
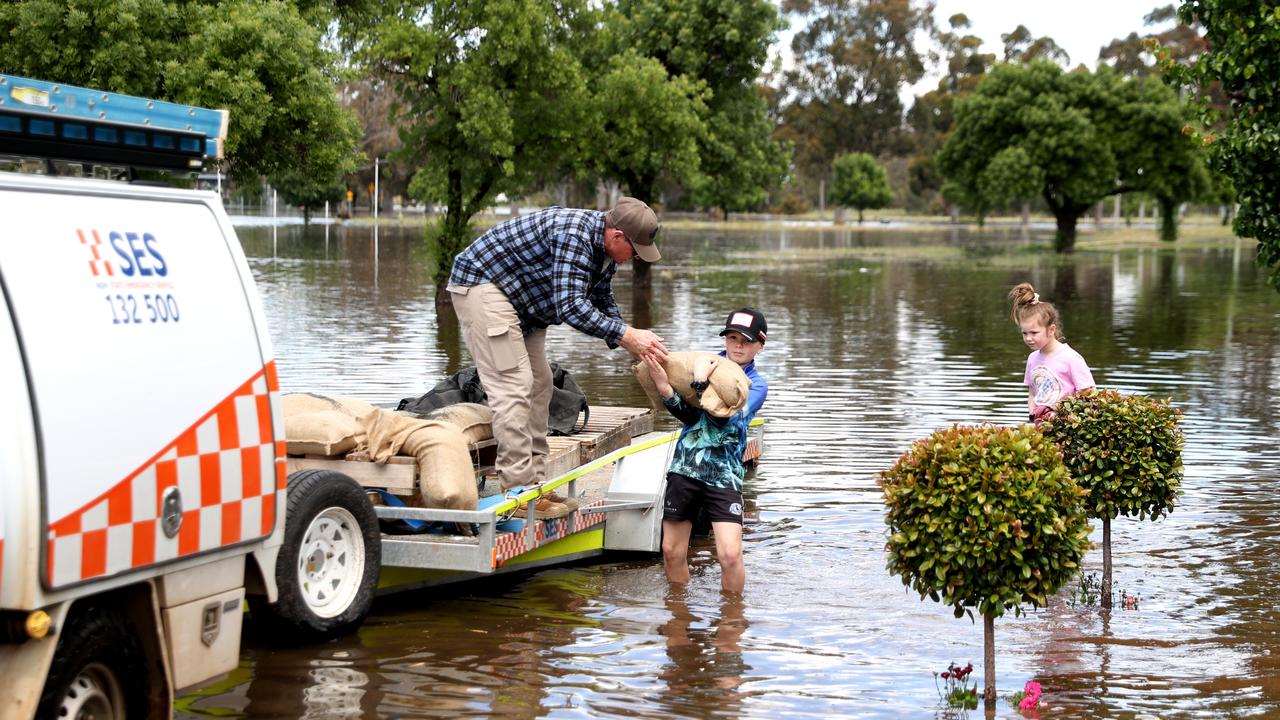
<point>879,336</point>
<point>705,668</point>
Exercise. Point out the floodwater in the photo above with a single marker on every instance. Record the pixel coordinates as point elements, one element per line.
<point>876,339</point>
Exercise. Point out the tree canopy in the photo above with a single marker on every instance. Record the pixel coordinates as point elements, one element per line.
<point>260,59</point>
<point>1080,136</point>
<point>721,46</point>
<point>851,61</point>
<point>1244,60</point>
<point>491,96</point>
<point>859,182</point>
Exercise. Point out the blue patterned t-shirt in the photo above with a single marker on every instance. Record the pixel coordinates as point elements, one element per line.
<point>710,448</point>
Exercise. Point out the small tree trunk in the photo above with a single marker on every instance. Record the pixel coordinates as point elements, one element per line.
<point>1026,214</point>
<point>1065,240</point>
<point>1168,221</point>
<point>641,278</point>
<point>859,216</point>
<point>1106,563</point>
<point>989,660</point>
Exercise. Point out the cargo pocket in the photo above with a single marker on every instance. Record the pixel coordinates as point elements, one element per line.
<point>503,346</point>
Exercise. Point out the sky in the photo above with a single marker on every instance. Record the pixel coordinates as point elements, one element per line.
<point>1081,27</point>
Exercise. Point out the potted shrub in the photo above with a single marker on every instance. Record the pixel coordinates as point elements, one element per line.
<point>1126,451</point>
<point>984,518</point>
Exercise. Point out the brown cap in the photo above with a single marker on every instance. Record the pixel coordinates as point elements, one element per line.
<point>639,224</point>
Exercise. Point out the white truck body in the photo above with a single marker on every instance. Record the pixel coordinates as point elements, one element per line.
<point>143,453</point>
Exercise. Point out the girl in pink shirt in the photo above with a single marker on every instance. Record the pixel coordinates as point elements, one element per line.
<point>1054,369</point>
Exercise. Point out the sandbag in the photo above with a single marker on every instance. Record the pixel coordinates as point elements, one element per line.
<point>327,433</point>
<point>473,419</point>
<point>300,403</point>
<point>728,386</point>
<point>446,478</point>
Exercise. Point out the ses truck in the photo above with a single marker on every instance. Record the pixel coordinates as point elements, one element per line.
<point>143,491</point>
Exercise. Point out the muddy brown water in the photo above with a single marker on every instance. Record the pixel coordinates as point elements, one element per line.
<point>876,338</point>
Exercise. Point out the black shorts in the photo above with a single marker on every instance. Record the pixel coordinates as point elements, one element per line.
<point>686,496</point>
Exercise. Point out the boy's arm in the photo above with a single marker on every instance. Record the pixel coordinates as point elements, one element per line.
<point>681,410</point>
<point>755,399</point>
<point>671,400</point>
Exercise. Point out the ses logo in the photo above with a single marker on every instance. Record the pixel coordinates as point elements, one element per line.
<point>134,276</point>
<point>132,255</point>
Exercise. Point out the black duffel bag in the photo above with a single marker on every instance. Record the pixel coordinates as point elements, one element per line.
<point>568,402</point>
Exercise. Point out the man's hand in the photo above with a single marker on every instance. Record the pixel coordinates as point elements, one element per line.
<point>643,345</point>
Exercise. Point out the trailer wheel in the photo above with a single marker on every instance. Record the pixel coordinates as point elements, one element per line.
<point>98,670</point>
<point>327,570</point>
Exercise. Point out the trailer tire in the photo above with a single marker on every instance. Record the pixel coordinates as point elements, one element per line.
<point>327,569</point>
<point>98,670</point>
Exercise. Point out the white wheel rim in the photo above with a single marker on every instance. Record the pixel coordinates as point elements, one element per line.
<point>94,694</point>
<point>331,562</point>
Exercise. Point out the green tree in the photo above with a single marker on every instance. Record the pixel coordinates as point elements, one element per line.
<point>650,124</point>
<point>741,164</point>
<point>722,44</point>
<point>1126,452</point>
<point>930,117</point>
<point>260,59</point>
<point>859,182</point>
<point>308,191</point>
<point>851,61</point>
<point>491,95</point>
<point>1244,62</point>
<point>984,518</point>
<point>1084,135</point>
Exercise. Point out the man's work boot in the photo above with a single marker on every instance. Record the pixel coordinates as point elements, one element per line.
<point>568,502</point>
<point>544,509</point>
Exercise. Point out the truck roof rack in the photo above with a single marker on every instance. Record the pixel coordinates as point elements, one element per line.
<point>64,122</point>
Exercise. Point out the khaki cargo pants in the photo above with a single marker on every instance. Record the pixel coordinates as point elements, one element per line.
<point>516,377</point>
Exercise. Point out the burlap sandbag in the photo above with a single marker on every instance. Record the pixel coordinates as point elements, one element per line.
<point>473,419</point>
<point>326,433</point>
<point>726,394</point>
<point>446,478</point>
<point>302,403</point>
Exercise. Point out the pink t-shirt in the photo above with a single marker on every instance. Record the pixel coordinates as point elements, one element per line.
<point>1053,377</point>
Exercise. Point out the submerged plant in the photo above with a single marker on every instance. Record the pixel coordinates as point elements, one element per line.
<point>984,518</point>
<point>1126,452</point>
<point>955,691</point>
<point>1089,594</point>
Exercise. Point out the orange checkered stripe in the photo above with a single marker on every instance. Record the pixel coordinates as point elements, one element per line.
<point>509,545</point>
<point>752,450</point>
<point>230,472</point>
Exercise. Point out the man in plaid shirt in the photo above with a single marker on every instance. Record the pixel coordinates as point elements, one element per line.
<point>549,267</point>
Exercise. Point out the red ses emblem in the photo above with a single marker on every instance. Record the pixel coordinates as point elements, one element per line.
<point>98,265</point>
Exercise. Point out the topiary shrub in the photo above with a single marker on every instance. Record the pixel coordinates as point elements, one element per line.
<point>985,518</point>
<point>1125,451</point>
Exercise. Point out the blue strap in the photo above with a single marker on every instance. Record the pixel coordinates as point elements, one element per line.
<point>394,501</point>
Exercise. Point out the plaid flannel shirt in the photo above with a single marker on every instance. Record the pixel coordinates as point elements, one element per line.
<point>552,266</point>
